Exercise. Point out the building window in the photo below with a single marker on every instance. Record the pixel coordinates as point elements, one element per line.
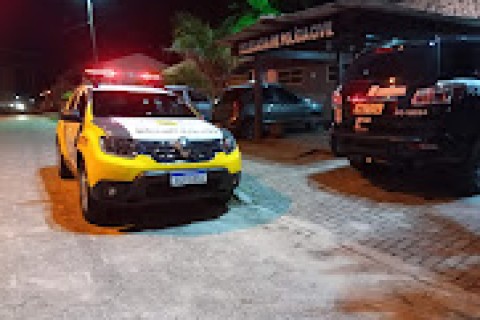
<point>332,73</point>
<point>291,76</point>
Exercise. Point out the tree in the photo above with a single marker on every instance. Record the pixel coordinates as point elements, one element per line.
<point>187,73</point>
<point>248,13</point>
<point>198,41</point>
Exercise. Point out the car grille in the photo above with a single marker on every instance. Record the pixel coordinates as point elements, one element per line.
<point>193,151</point>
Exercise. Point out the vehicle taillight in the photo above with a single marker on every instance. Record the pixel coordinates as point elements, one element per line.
<point>384,50</point>
<point>357,98</point>
<point>437,95</point>
<point>337,104</point>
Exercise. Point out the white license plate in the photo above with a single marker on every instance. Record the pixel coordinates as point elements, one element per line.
<point>185,178</point>
<point>368,109</point>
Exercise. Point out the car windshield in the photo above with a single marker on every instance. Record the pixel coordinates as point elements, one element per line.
<point>410,65</point>
<point>132,104</point>
<point>198,96</point>
<point>286,96</point>
<point>460,59</point>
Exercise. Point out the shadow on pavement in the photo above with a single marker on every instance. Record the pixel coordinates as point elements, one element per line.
<point>196,218</point>
<point>66,213</point>
<point>296,147</point>
<point>389,186</point>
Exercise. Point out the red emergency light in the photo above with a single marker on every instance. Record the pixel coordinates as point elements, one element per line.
<point>106,73</point>
<point>110,76</point>
<point>384,50</point>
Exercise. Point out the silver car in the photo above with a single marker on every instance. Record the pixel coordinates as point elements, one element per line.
<point>236,109</point>
<point>194,98</point>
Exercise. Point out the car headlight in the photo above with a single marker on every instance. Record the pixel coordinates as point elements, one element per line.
<point>119,146</point>
<point>229,144</point>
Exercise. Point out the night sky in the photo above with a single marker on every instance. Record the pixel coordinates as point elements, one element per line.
<point>49,36</point>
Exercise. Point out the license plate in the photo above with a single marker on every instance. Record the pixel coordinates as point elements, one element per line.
<point>370,109</point>
<point>185,178</point>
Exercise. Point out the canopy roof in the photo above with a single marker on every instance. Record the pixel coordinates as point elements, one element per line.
<point>271,24</point>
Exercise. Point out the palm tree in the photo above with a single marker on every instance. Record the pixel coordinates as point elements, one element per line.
<point>198,41</point>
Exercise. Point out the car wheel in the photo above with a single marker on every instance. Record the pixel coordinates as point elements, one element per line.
<point>92,209</point>
<point>312,126</point>
<point>63,171</point>
<point>470,182</point>
<point>248,129</point>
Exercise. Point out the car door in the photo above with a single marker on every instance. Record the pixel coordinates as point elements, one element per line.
<point>72,129</point>
<point>201,102</point>
<point>222,112</point>
<point>291,106</point>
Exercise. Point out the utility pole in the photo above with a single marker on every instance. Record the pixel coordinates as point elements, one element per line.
<point>93,35</point>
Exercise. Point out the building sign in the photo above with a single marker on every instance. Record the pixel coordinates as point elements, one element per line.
<point>288,38</point>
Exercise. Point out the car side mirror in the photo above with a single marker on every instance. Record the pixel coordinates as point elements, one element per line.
<point>71,116</point>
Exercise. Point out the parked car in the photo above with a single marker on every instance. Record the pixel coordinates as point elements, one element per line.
<point>415,103</point>
<point>194,98</point>
<point>235,110</point>
<point>137,144</point>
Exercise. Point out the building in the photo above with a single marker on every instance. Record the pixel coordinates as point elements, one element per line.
<point>309,51</point>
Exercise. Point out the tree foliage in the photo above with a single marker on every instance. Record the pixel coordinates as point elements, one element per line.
<point>187,73</point>
<point>198,42</point>
<point>247,12</point>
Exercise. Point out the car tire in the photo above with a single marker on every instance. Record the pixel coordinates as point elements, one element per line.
<point>223,198</point>
<point>248,129</point>
<point>360,164</point>
<point>92,209</point>
<point>470,179</point>
<point>63,171</point>
<point>357,163</point>
<point>312,126</point>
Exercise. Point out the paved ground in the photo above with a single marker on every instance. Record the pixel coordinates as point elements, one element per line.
<point>414,216</point>
<point>290,251</point>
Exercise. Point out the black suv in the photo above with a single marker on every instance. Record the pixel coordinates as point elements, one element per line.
<point>413,103</point>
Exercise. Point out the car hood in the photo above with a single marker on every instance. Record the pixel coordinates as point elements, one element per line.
<point>159,129</point>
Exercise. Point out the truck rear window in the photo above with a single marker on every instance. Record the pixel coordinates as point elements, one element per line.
<point>408,65</point>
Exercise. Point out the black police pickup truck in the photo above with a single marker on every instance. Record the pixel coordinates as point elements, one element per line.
<point>413,103</point>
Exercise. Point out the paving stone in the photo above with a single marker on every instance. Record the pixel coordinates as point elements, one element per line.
<point>436,236</point>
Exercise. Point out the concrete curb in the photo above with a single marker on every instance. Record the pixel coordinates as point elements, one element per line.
<point>243,197</point>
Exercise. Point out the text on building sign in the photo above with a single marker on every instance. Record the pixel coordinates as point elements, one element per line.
<point>288,38</point>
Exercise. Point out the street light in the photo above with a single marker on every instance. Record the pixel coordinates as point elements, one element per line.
<point>93,35</point>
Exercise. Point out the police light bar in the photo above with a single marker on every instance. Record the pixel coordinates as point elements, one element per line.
<point>110,76</point>
<point>107,73</point>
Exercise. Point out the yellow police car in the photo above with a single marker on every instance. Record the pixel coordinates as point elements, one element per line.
<point>131,144</point>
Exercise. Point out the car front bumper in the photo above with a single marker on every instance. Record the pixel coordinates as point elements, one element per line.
<point>154,187</point>
<point>103,167</point>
